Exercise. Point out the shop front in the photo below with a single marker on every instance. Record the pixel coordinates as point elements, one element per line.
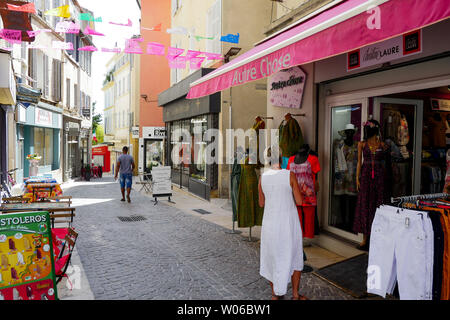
<point>101,156</point>
<point>408,94</point>
<point>151,148</point>
<point>195,117</point>
<point>72,147</point>
<point>38,131</point>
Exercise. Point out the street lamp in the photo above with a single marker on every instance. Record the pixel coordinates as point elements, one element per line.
<point>232,52</point>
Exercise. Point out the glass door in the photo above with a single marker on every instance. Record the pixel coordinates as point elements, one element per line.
<point>344,135</point>
<point>401,128</point>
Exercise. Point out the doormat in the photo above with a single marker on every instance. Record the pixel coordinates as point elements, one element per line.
<point>201,211</point>
<point>349,275</point>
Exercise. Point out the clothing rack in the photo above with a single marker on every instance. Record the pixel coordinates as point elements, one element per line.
<point>298,114</point>
<point>421,197</point>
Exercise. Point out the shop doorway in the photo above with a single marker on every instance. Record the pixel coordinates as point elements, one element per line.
<point>153,154</point>
<point>401,123</point>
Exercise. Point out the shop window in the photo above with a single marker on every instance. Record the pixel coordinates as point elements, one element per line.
<point>43,145</point>
<point>199,125</point>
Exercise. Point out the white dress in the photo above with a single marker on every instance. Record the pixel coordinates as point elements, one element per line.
<point>281,234</point>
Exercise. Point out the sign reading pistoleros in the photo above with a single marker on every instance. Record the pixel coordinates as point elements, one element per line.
<point>286,88</point>
<point>26,255</point>
<point>162,183</point>
<point>382,52</point>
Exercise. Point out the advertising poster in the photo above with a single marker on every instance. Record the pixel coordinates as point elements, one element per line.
<point>26,257</point>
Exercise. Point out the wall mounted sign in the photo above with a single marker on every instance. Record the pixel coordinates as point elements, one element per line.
<point>153,132</point>
<point>392,49</point>
<point>26,254</point>
<point>440,104</point>
<point>43,117</point>
<point>286,88</point>
<point>135,132</point>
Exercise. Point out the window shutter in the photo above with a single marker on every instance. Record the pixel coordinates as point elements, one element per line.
<point>54,76</point>
<point>68,93</point>
<point>46,77</point>
<point>214,27</point>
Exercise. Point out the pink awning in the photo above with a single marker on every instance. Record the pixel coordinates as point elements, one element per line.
<point>338,30</point>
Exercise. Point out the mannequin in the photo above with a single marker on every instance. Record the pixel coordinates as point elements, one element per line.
<point>300,165</point>
<point>235,180</point>
<point>345,164</point>
<point>371,179</point>
<point>291,138</point>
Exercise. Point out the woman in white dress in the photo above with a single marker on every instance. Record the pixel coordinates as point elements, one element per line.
<point>281,234</point>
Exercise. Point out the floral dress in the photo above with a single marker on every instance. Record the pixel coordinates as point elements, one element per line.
<point>373,187</point>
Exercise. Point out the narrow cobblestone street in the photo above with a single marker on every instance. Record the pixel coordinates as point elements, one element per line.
<point>170,255</point>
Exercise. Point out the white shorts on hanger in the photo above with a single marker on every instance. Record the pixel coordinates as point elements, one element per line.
<point>400,250</point>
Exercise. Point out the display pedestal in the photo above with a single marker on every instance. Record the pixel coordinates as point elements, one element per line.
<point>250,238</point>
<point>233,231</point>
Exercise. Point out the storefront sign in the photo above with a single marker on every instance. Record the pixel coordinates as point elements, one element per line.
<point>286,88</point>
<point>43,117</point>
<point>135,132</point>
<point>26,255</point>
<point>154,132</point>
<point>392,49</point>
<point>86,112</point>
<point>162,183</point>
<point>440,104</point>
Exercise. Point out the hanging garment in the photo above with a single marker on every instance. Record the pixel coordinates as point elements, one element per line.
<point>306,181</point>
<point>373,190</point>
<point>345,165</point>
<point>403,137</point>
<point>235,178</point>
<point>438,253</point>
<point>281,245</point>
<point>291,137</point>
<point>447,174</point>
<point>438,127</point>
<point>391,125</point>
<point>304,175</point>
<point>249,212</point>
<point>258,125</point>
<point>401,248</point>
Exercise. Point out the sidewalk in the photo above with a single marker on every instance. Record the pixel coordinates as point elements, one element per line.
<point>221,214</point>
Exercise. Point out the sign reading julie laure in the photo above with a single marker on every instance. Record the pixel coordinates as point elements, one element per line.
<point>379,53</point>
<point>286,88</point>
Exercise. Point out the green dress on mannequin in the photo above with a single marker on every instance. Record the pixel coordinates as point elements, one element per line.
<point>249,212</point>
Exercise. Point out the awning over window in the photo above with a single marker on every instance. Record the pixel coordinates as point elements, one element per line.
<point>346,27</point>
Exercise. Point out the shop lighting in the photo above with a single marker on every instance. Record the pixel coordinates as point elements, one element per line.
<point>232,52</point>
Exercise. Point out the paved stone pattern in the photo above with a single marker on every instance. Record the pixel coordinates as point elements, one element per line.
<point>171,255</point>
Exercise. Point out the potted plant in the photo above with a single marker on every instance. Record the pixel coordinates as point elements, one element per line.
<point>87,174</point>
<point>34,159</point>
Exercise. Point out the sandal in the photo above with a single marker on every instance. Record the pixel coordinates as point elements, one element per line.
<point>275,297</point>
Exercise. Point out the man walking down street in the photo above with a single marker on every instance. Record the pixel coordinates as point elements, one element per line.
<point>125,165</point>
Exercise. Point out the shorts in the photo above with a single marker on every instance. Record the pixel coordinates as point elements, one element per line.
<point>126,179</point>
<point>401,248</point>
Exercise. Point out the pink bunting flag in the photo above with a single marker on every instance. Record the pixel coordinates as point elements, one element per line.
<point>88,48</point>
<point>114,50</point>
<point>155,28</point>
<point>196,63</point>
<point>34,33</point>
<point>12,36</point>
<point>174,52</point>
<point>67,27</point>
<point>177,62</point>
<point>129,24</point>
<point>132,46</point>
<point>92,32</point>
<point>62,45</point>
<point>192,54</point>
<point>156,49</point>
<point>28,8</point>
<point>213,56</point>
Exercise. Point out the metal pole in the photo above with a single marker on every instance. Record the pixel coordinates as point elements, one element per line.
<point>230,166</point>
